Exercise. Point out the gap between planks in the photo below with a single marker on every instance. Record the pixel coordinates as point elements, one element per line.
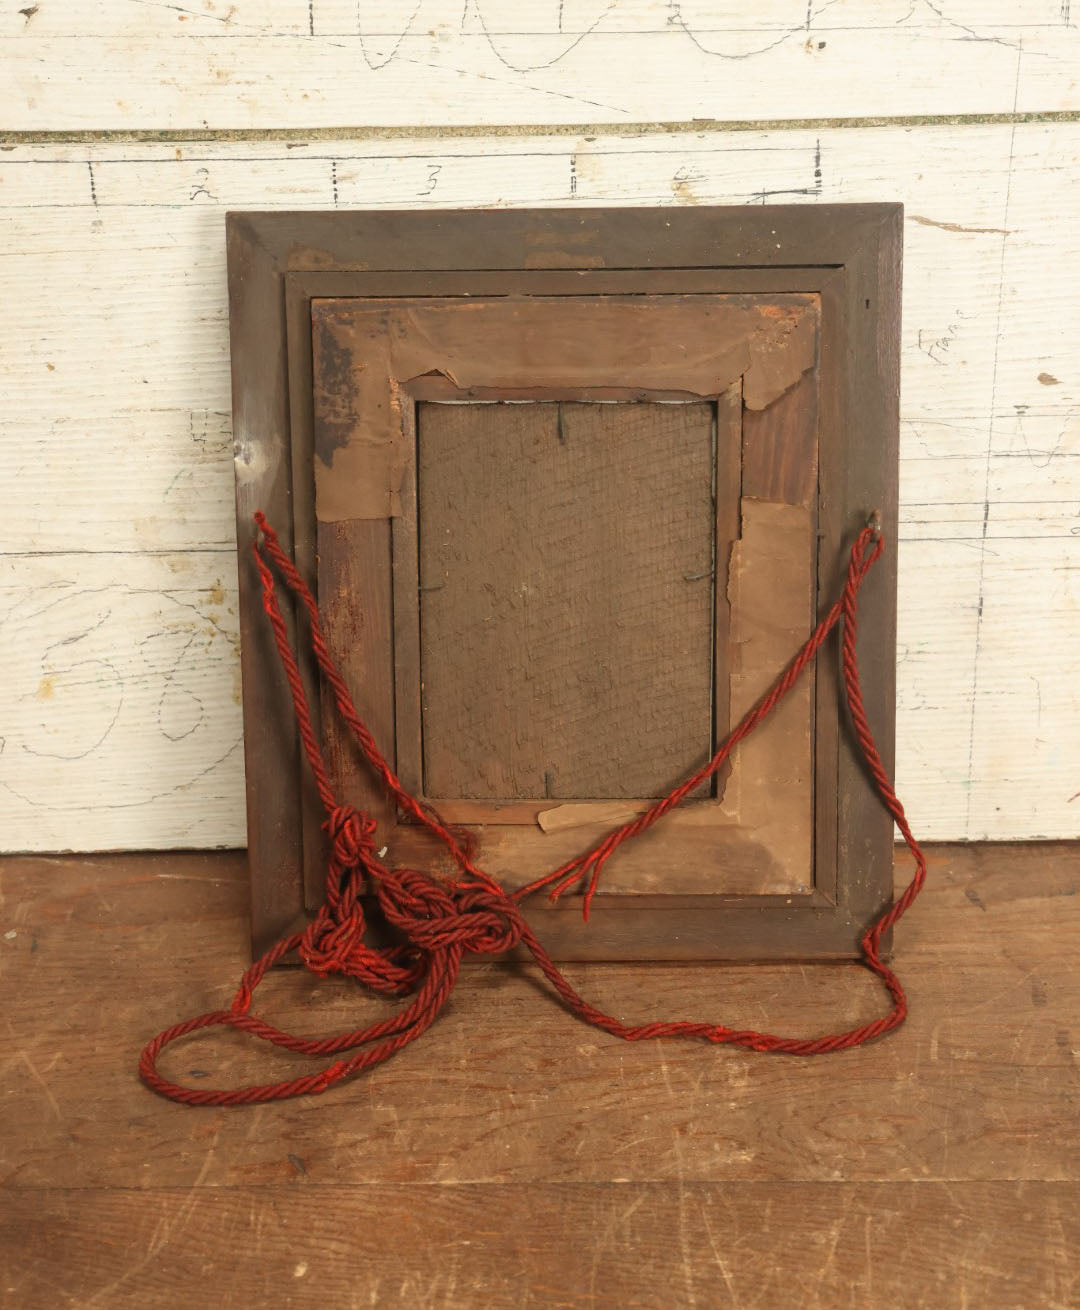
<point>440,131</point>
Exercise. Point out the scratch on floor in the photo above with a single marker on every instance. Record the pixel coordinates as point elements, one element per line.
<point>189,877</point>
<point>602,1241</point>
<point>41,1083</point>
<point>164,1232</point>
<point>721,1263</point>
<point>684,1241</point>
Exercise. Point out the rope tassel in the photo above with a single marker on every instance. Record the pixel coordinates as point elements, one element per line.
<point>438,921</point>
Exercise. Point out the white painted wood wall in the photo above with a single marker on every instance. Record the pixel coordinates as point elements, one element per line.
<point>132,125</point>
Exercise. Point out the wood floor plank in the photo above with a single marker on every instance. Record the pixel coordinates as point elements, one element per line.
<point>639,1245</point>
<point>982,1083</point>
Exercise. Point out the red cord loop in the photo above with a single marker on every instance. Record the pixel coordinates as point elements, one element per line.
<point>437,921</point>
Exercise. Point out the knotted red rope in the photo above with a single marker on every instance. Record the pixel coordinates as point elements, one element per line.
<point>437,921</point>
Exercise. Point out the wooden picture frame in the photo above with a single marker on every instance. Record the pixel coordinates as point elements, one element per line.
<point>299,277</point>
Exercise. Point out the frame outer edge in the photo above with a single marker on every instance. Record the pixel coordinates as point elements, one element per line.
<point>865,848</point>
<point>261,463</point>
<point>865,240</point>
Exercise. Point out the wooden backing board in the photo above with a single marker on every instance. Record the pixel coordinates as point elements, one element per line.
<point>486,518</point>
<point>849,259</point>
<point>564,654</point>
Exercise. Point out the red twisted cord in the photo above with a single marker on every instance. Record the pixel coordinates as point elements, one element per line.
<point>438,921</point>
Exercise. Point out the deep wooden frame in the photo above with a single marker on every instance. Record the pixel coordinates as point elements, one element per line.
<point>850,255</point>
<point>369,562</point>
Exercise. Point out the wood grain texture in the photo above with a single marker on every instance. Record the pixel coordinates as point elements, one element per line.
<point>320,63</point>
<point>514,1148</point>
<point>373,354</point>
<point>979,1085</point>
<point>990,424</point>
<point>700,851</point>
<point>771,594</point>
<point>531,597</point>
<point>769,586</point>
<point>780,449</point>
<point>140,647</point>
<point>525,597</point>
<point>888,1246</point>
<point>566,558</point>
<point>357,608</point>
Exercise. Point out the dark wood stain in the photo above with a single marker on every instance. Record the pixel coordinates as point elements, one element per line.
<point>741,852</point>
<point>357,608</point>
<point>780,447</point>
<point>334,424</point>
<point>263,481</point>
<point>847,254</point>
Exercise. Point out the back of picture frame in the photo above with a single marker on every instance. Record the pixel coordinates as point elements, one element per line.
<point>571,488</point>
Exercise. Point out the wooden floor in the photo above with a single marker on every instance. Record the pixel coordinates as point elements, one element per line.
<point>513,1157</point>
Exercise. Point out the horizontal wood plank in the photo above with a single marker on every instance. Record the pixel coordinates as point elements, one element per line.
<point>118,64</point>
<point>898,1245</point>
<point>121,722</point>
